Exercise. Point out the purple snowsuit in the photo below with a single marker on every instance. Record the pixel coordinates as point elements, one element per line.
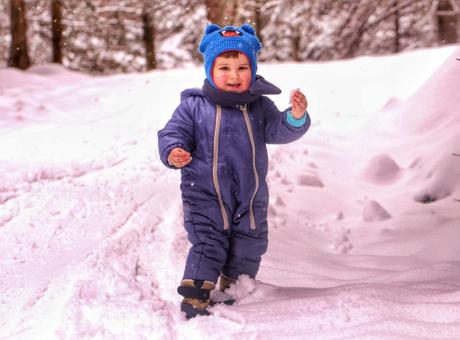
<point>224,192</point>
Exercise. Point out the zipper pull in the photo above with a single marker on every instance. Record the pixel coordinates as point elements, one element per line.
<point>242,107</point>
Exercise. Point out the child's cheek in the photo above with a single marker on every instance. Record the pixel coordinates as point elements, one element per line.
<point>221,77</point>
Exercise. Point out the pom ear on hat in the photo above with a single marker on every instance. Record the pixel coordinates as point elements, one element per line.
<point>212,28</point>
<point>248,28</point>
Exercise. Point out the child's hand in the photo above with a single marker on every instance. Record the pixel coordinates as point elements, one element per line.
<point>179,158</point>
<point>299,103</point>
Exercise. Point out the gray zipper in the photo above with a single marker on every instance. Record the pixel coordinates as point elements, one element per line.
<point>215,160</point>
<point>244,109</point>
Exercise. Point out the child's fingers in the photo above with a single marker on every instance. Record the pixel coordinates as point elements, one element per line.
<point>179,154</point>
<point>293,94</point>
<point>182,152</point>
<point>179,151</point>
<point>179,164</point>
<point>300,95</point>
<point>300,100</point>
<point>180,159</point>
<point>187,161</point>
<point>298,103</point>
<point>182,163</point>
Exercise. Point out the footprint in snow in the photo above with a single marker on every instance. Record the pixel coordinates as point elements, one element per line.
<point>310,181</point>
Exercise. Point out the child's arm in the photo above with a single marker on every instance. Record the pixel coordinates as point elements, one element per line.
<point>285,127</point>
<point>175,140</point>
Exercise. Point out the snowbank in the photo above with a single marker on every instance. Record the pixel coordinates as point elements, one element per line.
<point>363,212</point>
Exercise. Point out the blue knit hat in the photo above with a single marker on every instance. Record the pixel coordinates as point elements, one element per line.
<point>217,40</point>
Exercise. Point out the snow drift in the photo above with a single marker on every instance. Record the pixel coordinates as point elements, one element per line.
<point>364,217</point>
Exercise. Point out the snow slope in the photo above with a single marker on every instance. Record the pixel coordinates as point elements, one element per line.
<point>364,211</point>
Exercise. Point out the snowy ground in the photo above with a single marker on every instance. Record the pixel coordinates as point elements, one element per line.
<point>364,217</point>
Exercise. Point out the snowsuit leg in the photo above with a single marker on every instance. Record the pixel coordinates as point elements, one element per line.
<point>232,252</point>
<point>210,242</point>
<point>247,246</point>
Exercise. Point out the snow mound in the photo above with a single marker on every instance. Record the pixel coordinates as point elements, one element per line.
<point>11,77</point>
<point>310,181</point>
<point>374,212</point>
<point>248,290</point>
<point>57,72</point>
<point>382,169</point>
<point>91,223</point>
<point>439,170</point>
<point>391,104</point>
<point>432,194</point>
<point>426,109</point>
<point>50,70</point>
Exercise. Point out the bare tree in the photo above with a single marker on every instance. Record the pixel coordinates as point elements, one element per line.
<point>149,39</point>
<point>397,37</point>
<point>56,28</point>
<point>222,12</point>
<point>258,18</point>
<point>447,15</point>
<point>19,56</point>
<point>349,34</point>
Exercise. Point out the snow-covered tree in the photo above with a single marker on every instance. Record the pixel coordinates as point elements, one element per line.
<point>104,36</point>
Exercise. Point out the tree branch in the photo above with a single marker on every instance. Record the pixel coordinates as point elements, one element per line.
<point>396,9</point>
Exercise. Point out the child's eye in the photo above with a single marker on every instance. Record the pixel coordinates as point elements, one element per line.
<point>244,68</point>
<point>224,68</point>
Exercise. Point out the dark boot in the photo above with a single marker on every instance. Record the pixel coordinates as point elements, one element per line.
<point>225,282</point>
<point>196,295</point>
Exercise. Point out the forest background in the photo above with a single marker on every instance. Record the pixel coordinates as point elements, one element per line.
<point>114,36</point>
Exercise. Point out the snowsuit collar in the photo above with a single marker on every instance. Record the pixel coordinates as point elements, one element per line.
<point>258,88</point>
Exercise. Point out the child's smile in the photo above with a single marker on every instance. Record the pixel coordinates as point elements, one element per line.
<point>234,85</point>
<point>232,74</point>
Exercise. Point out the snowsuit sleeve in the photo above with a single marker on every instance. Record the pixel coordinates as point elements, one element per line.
<point>277,128</point>
<point>178,132</point>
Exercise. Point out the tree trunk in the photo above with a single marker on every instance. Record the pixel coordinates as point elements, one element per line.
<point>19,56</point>
<point>447,20</point>
<point>397,38</point>
<point>149,41</point>
<point>56,25</point>
<point>296,45</point>
<point>222,12</point>
<point>258,19</point>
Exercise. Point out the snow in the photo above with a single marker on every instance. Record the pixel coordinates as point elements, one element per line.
<point>364,218</point>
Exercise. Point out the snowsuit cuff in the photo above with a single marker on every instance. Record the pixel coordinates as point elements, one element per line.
<point>294,121</point>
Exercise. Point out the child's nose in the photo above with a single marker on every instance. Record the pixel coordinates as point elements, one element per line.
<point>234,74</point>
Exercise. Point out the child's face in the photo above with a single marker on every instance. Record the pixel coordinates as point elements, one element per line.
<point>232,74</point>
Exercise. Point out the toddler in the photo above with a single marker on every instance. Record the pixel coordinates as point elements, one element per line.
<point>217,137</point>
